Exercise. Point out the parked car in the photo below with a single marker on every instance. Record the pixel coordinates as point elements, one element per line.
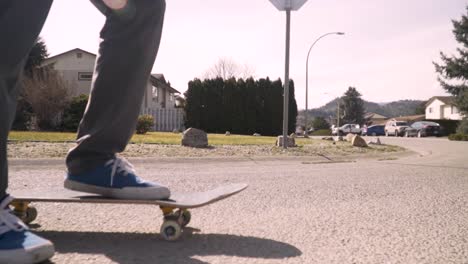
<point>395,128</point>
<point>424,129</point>
<point>346,129</point>
<point>375,130</point>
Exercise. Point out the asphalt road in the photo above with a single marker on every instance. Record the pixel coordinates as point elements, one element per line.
<point>408,210</point>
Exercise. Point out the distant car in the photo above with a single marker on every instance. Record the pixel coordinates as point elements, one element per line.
<point>395,128</point>
<point>346,129</point>
<point>424,129</point>
<point>375,130</point>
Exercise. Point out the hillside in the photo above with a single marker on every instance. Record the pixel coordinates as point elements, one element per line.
<point>392,109</point>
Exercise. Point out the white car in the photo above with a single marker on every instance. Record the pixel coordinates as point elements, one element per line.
<point>346,129</point>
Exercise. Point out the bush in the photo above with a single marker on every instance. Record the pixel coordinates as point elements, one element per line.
<point>463,127</point>
<point>144,124</point>
<point>74,112</point>
<point>321,132</point>
<point>320,123</point>
<point>449,126</point>
<point>458,137</point>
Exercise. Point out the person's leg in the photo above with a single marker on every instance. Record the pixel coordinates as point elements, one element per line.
<point>128,48</point>
<point>20,24</point>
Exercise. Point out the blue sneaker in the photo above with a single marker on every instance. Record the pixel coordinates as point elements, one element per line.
<point>116,179</point>
<point>17,244</point>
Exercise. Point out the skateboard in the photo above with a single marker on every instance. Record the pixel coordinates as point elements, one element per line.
<point>175,209</point>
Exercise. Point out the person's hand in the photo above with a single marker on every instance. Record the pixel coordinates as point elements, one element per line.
<point>115,4</point>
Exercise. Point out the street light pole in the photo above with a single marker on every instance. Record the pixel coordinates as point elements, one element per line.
<point>286,81</point>
<point>288,6</point>
<point>307,74</point>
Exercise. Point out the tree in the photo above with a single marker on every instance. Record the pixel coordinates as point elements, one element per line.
<point>320,123</point>
<point>421,108</point>
<point>74,113</point>
<point>453,71</point>
<point>36,56</point>
<point>24,110</point>
<point>227,69</point>
<point>353,107</point>
<point>47,93</point>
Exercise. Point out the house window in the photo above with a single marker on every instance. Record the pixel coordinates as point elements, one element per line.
<point>85,76</point>
<point>430,110</point>
<point>171,97</point>
<point>79,55</point>
<point>454,110</point>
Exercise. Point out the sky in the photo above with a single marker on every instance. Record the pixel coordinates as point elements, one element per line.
<point>387,51</point>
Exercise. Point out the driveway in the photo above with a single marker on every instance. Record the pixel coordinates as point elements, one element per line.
<point>409,210</point>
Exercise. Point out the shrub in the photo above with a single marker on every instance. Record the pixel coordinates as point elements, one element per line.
<point>458,137</point>
<point>321,132</point>
<point>449,126</point>
<point>144,124</point>
<point>74,112</point>
<point>463,127</point>
<point>47,94</point>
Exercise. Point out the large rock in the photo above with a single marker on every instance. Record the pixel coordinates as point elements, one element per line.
<point>338,138</point>
<point>195,138</point>
<point>291,142</point>
<point>374,141</point>
<point>349,137</point>
<point>358,141</point>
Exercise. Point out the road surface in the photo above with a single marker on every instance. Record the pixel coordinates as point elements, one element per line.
<point>408,210</point>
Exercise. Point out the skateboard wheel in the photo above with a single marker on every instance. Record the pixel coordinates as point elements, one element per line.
<point>30,216</point>
<point>171,230</point>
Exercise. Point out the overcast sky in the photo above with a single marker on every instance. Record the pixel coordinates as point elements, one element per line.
<point>387,52</point>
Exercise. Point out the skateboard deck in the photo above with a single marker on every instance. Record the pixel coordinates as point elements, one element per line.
<point>175,209</point>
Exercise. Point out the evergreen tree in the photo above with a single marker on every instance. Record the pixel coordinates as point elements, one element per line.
<point>453,71</point>
<point>320,123</point>
<point>292,108</point>
<point>353,107</point>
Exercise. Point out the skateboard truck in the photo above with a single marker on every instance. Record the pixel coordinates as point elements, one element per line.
<point>24,211</point>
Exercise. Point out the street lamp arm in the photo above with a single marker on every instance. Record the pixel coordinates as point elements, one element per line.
<point>307,71</point>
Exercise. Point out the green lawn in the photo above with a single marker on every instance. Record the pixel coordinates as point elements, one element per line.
<point>153,138</point>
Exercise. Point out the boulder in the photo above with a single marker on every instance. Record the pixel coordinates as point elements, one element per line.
<point>290,141</point>
<point>358,141</point>
<point>349,137</point>
<point>374,141</point>
<point>293,135</point>
<point>227,133</point>
<point>195,138</point>
<point>256,135</point>
<point>339,138</point>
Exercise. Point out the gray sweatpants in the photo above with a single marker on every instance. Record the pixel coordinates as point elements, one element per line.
<point>128,48</point>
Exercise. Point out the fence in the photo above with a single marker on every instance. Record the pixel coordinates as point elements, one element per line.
<point>166,119</point>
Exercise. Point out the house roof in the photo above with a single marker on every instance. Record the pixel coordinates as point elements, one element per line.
<point>70,51</point>
<point>371,115</point>
<point>157,79</point>
<point>410,118</point>
<point>448,100</point>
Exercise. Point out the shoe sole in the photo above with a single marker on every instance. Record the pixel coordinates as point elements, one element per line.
<point>127,193</point>
<point>34,255</point>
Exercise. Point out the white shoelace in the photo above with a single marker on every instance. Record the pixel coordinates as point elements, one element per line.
<point>120,164</point>
<point>8,221</point>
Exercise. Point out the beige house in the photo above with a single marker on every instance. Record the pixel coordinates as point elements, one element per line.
<point>76,68</point>
<point>442,107</point>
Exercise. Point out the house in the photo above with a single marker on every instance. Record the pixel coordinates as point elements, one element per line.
<point>442,107</point>
<point>76,67</point>
<point>160,94</point>
<point>374,118</point>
